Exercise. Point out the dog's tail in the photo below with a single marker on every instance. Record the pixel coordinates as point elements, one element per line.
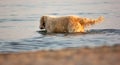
<point>100,19</point>
<point>87,21</point>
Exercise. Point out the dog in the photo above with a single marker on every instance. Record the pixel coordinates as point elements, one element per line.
<point>69,24</point>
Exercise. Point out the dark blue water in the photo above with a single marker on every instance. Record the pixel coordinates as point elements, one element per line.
<point>19,24</point>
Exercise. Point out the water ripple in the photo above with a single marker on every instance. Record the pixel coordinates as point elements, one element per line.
<point>94,37</point>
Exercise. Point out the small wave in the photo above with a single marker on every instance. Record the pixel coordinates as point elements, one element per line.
<point>6,26</point>
<point>97,31</point>
<point>42,32</point>
<point>54,14</point>
<point>82,13</point>
<point>7,20</point>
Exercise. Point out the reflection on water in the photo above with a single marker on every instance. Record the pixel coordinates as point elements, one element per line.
<point>19,21</point>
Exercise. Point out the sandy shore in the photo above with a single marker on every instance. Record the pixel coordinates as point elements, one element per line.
<point>105,55</point>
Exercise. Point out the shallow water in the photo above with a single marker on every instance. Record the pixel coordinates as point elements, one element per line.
<point>19,24</point>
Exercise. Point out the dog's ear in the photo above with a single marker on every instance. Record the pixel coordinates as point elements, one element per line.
<point>42,19</point>
<point>42,22</point>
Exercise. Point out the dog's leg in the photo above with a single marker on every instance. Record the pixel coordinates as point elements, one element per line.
<point>75,27</point>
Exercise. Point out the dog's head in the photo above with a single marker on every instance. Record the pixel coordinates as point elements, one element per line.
<point>43,22</point>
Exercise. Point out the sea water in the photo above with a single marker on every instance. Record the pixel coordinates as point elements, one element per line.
<point>19,24</point>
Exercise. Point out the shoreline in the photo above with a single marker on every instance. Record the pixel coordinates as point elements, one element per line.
<point>103,55</point>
